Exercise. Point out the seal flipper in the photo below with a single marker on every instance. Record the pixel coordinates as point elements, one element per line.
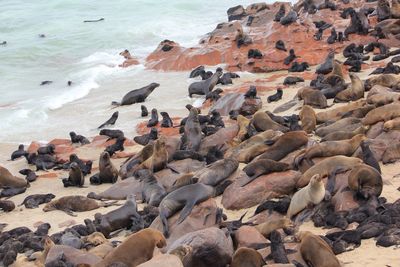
<point>252,178</point>
<point>186,211</point>
<point>69,212</point>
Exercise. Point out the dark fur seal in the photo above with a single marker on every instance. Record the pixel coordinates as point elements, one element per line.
<point>11,191</point>
<point>278,251</point>
<point>280,14</point>
<point>366,181</point>
<point>112,133</point>
<point>75,177</point>
<point>333,37</point>
<point>152,192</point>
<point>166,120</point>
<point>276,97</point>
<point>70,204</point>
<point>137,95</point>
<point>120,218</point>
<point>383,10</point>
<point>214,95</point>
<point>196,72</point>
<point>30,175</point>
<point>262,167</point>
<point>192,134</point>
<point>327,66</point>
<point>186,198</point>
<point>292,56</point>
<point>110,121</point>
<point>108,173</point>
<point>280,45</point>
<point>299,67</point>
<point>77,138</point>
<point>146,138</point>
<point>49,149</point>
<point>206,86</point>
<point>21,152</point>
<point>154,118</point>
<point>33,201</point>
<point>7,205</point>
<point>368,157</point>
<point>289,18</point>
<point>217,172</point>
<point>291,80</point>
<point>118,146</point>
<point>144,111</point>
<point>281,206</point>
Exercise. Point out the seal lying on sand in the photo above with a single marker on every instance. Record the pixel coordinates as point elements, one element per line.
<point>33,201</point>
<point>137,95</point>
<point>9,180</point>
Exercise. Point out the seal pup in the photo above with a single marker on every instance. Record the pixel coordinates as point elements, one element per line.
<point>146,138</point>
<point>154,118</point>
<point>315,251</point>
<point>30,175</point>
<point>159,157</point>
<point>292,56</point>
<point>152,192</point>
<point>46,83</point>
<point>9,180</point>
<point>166,120</point>
<point>48,149</point>
<point>343,135</point>
<point>186,198</point>
<point>75,177</point>
<point>70,204</point>
<point>196,72</point>
<point>112,134</point>
<point>120,218</point>
<point>110,121</point>
<point>291,80</point>
<point>281,206</point>
<point>137,95</point>
<point>384,113</point>
<point>313,193</point>
<point>77,138</point>
<point>275,97</point>
<point>144,111</point>
<point>333,37</point>
<point>7,205</point>
<point>247,257</point>
<point>33,201</point>
<point>366,181</point>
<point>107,172</point>
<point>192,132</point>
<point>262,122</point>
<point>280,45</point>
<point>289,18</point>
<point>262,167</point>
<point>118,146</point>
<point>136,249</point>
<point>383,10</point>
<point>280,14</point>
<point>21,152</point>
<point>206,86</point>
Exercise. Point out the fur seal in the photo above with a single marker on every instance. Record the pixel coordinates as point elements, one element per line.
<point>331,148</point>
<point>33,201</point>
<point>368,157</point>
<point>19,153</point>
<point>386,80</point>
<point>308,119</point>
<point>275,97</point>
<point>30,175</point>
<point>280,45</point>
<point>316,252</point>
<point>292,56</point>
<point>280,14</point>
<point>7,205</point>
<point>69,204</point>
<point>354,92</point>
<point>343,135</point>
<point>291,80</point>
<point>110,121</point>
<point>159,157</point>
<point>278,251</point>
<point>166,120</point>
<point>217,172</point>
<point>384,113</point>
<point>262,167</point>
<point>327,66</point>
<point>192,134</point>
<point>152,192</point>
<point>281,206</point>
<point>9,180</point>
<point>383,10</point>
<point>289,18</point>
<point>154,118</point>
<point>186,198</point>
<point>312,97</point>
<point>206,86</point>
<point>346,124</point>
<point>196,72</point>
<point>48,149</point>
<point>117,146</point>
<point>366,181</point>
<point>271,225</point>
<point>263,122</point>
<point>75,177</point>
<point>77,138</point>
<point>392,125</point>
<point>246,257</point>
<point>137,95</point>
<point>326,166</point>
<point>146,138</point>
<point>144,111</point>
<point>112,134</point>
<point>136,249</point>
<point>120,218</point>
<point>108,173</point>
<point>313,193</point>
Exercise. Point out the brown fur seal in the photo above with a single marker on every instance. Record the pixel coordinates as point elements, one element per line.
<point>158,159</point>
<point>9,180</point>
<point>386,80</point>
<point>326,166</point>
<point>69,204</point>
<point>366,181</point>
<point>331,148</point>
<point>337,113</point>
<point>7,205</point>
<point>192,134</point>
<point>313,193</point>
<point>108,173</point>
<point>315,251</point>
<point>185,179</point>
<point>263,122</point>
<point>336,71</point>
<point>267,227</point>
<point>136,249</point>
<point>308,118</point>
<point>247,257</point>
<point>286,144</point>
<point>312,97</point>
<point>75,177</point>
<point>243,123</point>
<point>392,125</point>
<point>354,92</point>
<point>346,124</point>
<point>217,171</point>
<point>343,135</point>
<point>261,167</point>
<point>384,113</point>
<point>395,10</point>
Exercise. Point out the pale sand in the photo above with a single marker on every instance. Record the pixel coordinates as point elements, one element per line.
<point>368,254</point>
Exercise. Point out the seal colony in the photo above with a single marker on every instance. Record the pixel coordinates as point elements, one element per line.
<point>310,153</point>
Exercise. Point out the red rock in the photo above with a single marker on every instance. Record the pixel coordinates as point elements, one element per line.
<point>129,62</point>
<point>141,128</point>
<point>58,142</point>
<point>250,237</point>
<point>261,189</point>
<point>33,147</point>
<point>48,175</point>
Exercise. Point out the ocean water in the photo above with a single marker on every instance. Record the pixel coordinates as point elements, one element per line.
<point>88,55</point>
